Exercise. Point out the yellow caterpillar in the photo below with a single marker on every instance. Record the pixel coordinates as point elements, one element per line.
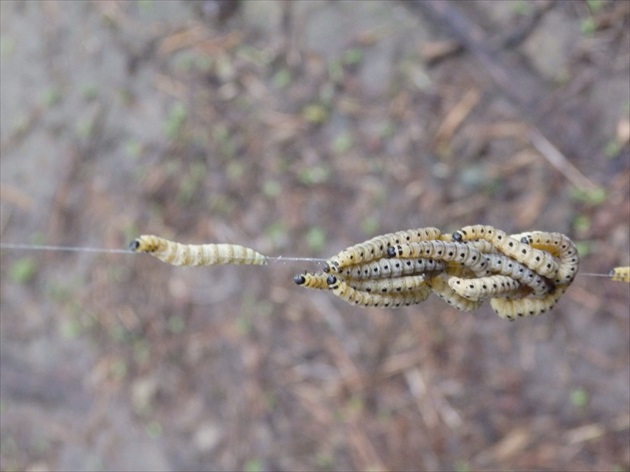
<point>196,254</point>
<point>620,274</point>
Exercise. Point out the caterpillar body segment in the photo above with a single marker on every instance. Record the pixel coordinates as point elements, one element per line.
<point>539,261</point>
<point>309,280</point>
<point>391,268</point>
<point>404,284</point>
<point>620,274</point>
<point>503,265</point>
<point>196,254</point>
<point>559,246</point>
<point>439,285</point>
<point>343,290</point>
<point>444,251</point>
<point>484,287</point>
<point>524,307</point>
<point>376,247</point>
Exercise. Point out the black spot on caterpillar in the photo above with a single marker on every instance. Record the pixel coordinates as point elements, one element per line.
<point>444,251</point>
<point>403,284</point>
<point>539,261</point>
<point>309,280</point>
<point>504,265</point>
<point>558,245</point>
<point>392,300</point>
<point>620,274</point>
<point>196,254</point>
<point>376,247</point>
<point>439,285</point>
<point>485,287</point>
<point>391,268</point>
<point>522,307</point>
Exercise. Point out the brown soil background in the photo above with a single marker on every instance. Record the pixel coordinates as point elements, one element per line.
<point>299,129</point>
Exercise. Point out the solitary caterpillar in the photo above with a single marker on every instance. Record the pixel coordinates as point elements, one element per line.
<point>376,247</point>
<point>504,265</point>
<point>308,280</point>
<point>444,251</point>
<point>485,287</point>
<point>391,268</point>
<point>512,309</point>
<point>560,246</point>
<point>403,284</point>
<point>439,285</point>
<point>196,254</point>
<point>539,261</point>
<point>620,274</point>
<point>362,298</point>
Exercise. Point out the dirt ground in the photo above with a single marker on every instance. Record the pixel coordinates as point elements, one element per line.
<point>299,129</point>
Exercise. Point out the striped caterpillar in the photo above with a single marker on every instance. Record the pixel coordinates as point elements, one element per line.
<point>196,254</point>
<point>485,287</point>
<point>444,251</point>
<point>343,290</point>
<point>308,280</point>
<point>391,268</point>
<point>512,309</point>
<point>559,246</point>
<point>403,284</point>
<point>539,261</point>
<point>439,285</point>
<point>620,274</point>
<point>376,247</point>
<point>503,265</point>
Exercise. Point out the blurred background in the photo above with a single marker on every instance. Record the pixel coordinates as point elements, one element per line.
<point>299,129</point>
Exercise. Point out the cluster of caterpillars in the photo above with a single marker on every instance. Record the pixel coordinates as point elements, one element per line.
<point>522,275</point>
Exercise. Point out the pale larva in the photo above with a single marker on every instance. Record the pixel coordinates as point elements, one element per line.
<point>376,247</point>
<point>558,245</point>
<point>539,261</point>
<point>620,274</point>
<point>444,251</point>
<point>439,286</point>
<point>485,287</point>
<point>391,268</point>
<point>524,307</point>
<point>196,254</point>
<point>403,284</point>
<point>392,300</point>
<point>503,265</point>
<point>309,280</point>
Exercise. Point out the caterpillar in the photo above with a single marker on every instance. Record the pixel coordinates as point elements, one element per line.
<point>309,280</point>
<point>539,261</point>
<point>403,284</point>
<point>503,265</point>
<point>485,287</point>
<point>392,300</point>
<point>444,251</point>
<point>391,268</point>
<point>376,247</point>
<point>439,285</point>
<point>512,309</point>
<point>196,254</point>
<point>620,274</point>
<point>558,245</point>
